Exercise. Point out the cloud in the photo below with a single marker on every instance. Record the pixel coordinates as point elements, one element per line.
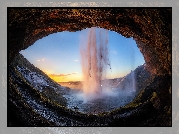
<point>43,59</point>
<point>76,60</point>
<point>74,72</point>
<point>58,75</point>
<point>114,51</point>
<point>62,75</point>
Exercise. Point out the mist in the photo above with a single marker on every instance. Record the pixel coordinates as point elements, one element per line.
<point>94,63</point>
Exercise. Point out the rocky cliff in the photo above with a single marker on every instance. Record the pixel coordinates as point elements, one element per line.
<point>36,100</point>
<point>151,29</point>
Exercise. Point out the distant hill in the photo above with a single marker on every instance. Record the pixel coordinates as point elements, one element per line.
<point>136,80</point>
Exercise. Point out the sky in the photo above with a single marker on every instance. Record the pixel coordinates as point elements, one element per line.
<point>58,55</point>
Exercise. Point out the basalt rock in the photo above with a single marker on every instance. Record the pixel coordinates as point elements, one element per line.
<point>151,28</point>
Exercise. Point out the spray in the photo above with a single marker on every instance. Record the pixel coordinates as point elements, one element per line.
<point>132,72</point>
<point>94,62</point>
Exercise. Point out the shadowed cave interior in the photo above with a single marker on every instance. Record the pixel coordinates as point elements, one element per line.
<point>150,28</point>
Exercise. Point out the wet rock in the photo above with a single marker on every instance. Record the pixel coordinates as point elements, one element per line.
<point>155,100</point>
<point>150,28</point>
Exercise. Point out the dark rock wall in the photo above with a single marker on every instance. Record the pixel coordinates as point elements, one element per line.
<point>150,27</point>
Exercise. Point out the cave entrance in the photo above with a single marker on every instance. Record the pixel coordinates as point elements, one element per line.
<point>150,27</point>
<point>59,55</point>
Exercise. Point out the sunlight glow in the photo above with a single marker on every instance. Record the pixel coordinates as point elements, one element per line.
<point>59,53</point>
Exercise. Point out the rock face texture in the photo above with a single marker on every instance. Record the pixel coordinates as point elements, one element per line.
<point>36,100</point>
<point>151,28</point>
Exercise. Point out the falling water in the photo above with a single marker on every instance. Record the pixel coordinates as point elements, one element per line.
<point>94,62</point>
<point>132,65</point>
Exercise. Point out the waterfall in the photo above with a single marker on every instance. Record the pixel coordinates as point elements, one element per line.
<point>94,62</point>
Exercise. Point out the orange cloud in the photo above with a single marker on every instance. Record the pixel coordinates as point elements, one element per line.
<point>58,75</point>
<point>64,77</point>
<point>74,72</point>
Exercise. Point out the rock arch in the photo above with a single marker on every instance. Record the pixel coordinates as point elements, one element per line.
<point>150,27</point>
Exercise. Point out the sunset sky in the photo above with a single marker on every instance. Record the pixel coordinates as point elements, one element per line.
<point>58,55</point>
